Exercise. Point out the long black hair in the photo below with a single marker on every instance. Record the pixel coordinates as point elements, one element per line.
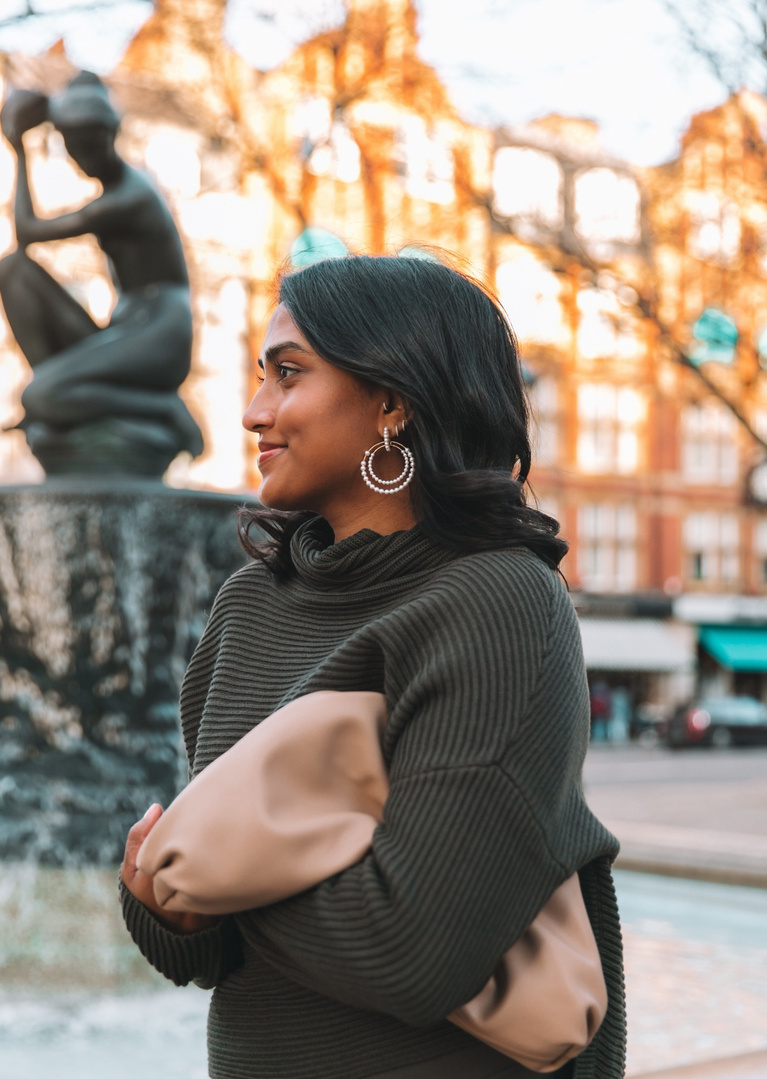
<point>437,339</point>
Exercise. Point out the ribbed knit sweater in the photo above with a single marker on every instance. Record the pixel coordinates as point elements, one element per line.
<point>480,659</point>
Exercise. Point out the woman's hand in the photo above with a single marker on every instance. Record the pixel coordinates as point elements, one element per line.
<point>140,884</point>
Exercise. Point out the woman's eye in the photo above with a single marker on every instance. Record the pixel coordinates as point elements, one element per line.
<point>284,372</point>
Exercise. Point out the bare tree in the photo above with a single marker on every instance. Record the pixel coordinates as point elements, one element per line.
<point>730,37</point>
<point>30,10</point>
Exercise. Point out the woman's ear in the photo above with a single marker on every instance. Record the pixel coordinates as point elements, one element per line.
<point>394,414</point>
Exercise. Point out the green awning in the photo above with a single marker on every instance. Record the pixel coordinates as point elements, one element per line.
<point>740,648</point>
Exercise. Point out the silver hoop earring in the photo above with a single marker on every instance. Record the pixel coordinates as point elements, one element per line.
<point>387,487</point>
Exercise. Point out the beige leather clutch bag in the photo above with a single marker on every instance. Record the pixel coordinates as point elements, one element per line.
<point>296,800</point>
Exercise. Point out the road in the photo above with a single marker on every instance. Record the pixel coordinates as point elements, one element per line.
<point>699,813</point>
<point>608,765</point>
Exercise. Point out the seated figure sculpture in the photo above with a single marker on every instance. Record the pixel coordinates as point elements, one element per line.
<point>101,400</point>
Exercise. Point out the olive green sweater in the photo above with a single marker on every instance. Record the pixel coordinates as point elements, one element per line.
<point>480,659</point>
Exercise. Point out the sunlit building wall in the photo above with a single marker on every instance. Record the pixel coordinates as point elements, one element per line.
<point>353,144</point>
<point>708,213</point>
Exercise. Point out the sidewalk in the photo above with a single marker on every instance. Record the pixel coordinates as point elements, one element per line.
<point>712,830</point>
<point>696,953</point>
<point>727,857</point>
<point>749,1066</point>
<point>79,1002</point>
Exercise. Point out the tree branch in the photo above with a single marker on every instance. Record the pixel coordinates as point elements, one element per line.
<point>75,6</point>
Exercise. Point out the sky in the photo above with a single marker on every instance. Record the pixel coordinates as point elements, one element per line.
<point>623,63</point>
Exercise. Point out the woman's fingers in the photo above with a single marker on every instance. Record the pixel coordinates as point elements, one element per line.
<point>136,837</point>
<point>142,887</point>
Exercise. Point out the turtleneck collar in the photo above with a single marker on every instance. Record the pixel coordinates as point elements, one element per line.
<point>363,560</point>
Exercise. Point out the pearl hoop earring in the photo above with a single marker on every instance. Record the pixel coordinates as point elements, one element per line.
<point>388,487</point>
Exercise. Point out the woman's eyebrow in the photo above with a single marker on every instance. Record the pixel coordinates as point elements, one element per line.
<point>271,354</point>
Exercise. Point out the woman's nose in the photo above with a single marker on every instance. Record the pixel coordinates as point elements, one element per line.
<point>257,415</point>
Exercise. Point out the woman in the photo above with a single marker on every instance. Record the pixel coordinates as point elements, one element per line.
<point>442,594</point>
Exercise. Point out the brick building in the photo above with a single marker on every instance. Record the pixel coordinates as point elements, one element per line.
<point>650,462</point>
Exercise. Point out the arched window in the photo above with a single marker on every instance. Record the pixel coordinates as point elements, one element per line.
<point>530,292</point>
<point>528,183</point>
<point>607,206</point>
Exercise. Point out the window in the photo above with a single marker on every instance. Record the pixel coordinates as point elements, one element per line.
<point>530,292</point>
<point>609,419</point>
<point>310,123</point>
<point>339,156</point>
<point>172,156</point>
<point>545,413</point>
<point>528,183</point>
<point>605,327</point>
<point>760,548</point>
<point>709,447</point>
<point>712,544</point>
<point>607,547</point>
<point>425,159</point>
<point>607,206</point>
<point>714,228</point>
<point>326,145</point>
<point>759,422</point>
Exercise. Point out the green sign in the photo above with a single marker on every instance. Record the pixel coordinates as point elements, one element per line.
<point>413,251</point>
<point>315,244</point>
<point>716,336</point>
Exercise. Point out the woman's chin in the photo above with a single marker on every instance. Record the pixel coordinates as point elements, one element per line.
<point>271,497</point>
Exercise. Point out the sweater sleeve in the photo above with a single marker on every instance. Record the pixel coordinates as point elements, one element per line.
<point>204,958</point>
<point>486,736</point>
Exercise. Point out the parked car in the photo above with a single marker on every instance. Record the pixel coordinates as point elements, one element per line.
<point>649,724</point>
<point>719,721</point>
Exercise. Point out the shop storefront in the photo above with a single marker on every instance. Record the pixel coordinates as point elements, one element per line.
<point>731,643</point>
<point>639,670</point>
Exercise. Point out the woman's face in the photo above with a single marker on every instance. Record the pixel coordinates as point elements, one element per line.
<point>314,423</point>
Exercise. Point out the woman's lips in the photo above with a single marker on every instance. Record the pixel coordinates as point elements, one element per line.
<point>268,454</point>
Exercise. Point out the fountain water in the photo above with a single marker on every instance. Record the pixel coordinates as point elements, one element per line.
<point>104,592</point>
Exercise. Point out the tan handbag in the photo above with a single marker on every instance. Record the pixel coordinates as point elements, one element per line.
<point>296,800</point>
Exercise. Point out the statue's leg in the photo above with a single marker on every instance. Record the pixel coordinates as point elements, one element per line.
<point>130,369</point>
<point>92,401</point>
<point>148,345</point>
<point>42,315</point>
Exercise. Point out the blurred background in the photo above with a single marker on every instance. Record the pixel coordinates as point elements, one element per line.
<point>602,166</point>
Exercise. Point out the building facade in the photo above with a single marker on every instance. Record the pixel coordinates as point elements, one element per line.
<point>639,296</point>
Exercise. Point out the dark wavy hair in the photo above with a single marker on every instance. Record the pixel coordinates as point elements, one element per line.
<point>438,339</point>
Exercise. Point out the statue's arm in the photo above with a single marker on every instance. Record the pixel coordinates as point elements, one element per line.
<point>24,210</point>
<point>105,213</point>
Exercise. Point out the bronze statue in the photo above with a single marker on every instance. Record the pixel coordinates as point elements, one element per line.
<point>101,399</point>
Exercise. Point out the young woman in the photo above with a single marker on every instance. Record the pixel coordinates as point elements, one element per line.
<point>427,578</point>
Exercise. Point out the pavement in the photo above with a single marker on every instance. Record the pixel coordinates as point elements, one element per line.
<point>698,813</point>
<point>696,941</point>
<point>78,1002</point>
<point>748,1066</point>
